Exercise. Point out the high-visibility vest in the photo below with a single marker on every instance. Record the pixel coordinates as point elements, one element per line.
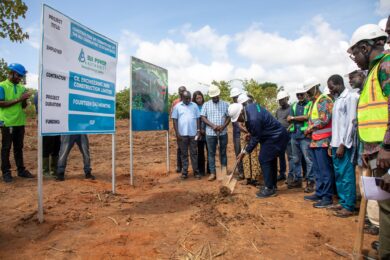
<point>327,130</point>
<point>372,109</point>
<point>306,110</point>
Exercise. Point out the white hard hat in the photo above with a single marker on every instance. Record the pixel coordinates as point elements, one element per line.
<point>234,111</point>
<point>300,89</point>
<point>366,32</point>
<point>214,91</point>
<point>242,98</point>
<point>282,94</point>
<point>234,92</point>
<point>310,83</point>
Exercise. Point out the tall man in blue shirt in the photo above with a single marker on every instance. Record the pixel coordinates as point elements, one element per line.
<point>215,115</point>
<point>271,135</point>
<point>186,122</point>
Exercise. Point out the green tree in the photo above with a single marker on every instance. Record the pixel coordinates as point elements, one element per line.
<point>3,70</point>
<point>123,104</point>
<point>10,11</point>
<point>264,93</point>
<point>171,98</point>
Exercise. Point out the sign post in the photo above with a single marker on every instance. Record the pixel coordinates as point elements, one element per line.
<point>77,83</point>
<point>148,102</point>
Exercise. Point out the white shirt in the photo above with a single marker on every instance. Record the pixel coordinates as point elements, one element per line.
<point>344,112</point>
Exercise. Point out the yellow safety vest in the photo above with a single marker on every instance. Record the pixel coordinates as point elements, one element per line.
<point>372,109</point>
<point>327,130</point>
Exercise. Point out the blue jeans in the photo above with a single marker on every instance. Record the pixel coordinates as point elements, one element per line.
<point>282,161</point>
<point>212,146</point>
<point>300,148</point>
<point>345,179</point>
<point>323,171</point>
<point>67,142</point>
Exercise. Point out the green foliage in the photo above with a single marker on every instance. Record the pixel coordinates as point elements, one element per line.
<point>264,94</point>
<point>171,98</point>
<point>10,11</point>
<point>123,104</point>
<point>3,70</point>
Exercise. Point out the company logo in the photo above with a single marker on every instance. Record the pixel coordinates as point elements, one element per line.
<point>81,56</point>
<point>90,62</point>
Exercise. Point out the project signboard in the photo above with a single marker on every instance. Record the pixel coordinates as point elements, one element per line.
<point>149,86</point>
<point>78,75</point>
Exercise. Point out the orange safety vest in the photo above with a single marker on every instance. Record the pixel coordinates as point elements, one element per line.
<point>327,130</point>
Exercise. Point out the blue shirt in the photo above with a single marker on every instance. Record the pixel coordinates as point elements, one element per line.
<point>186,116</point>
<point>216,113</point>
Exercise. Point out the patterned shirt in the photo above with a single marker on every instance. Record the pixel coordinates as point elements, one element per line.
<point>384,81</point>
<point>216,113</point>
<point>325,107</point>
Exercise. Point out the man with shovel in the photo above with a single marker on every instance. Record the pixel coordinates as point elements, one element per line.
<point>271,135</point>
<point>215,115</point>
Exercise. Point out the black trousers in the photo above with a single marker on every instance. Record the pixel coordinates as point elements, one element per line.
<point>51,145</point>
<point>12,136</point>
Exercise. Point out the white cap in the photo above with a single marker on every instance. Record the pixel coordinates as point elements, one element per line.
<point>234,92</point>
<point>242,98</point>
<point>366,32</point>
<point>214,91</point>
<point>282,94</point>
<point>310,83</point>
<point>234,111</point>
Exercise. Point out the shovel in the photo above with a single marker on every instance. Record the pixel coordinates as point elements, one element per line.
<point>229,183</point>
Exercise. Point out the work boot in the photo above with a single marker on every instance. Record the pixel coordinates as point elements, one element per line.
<point>212,177</point>
<point>7,177</point>
<point>88,175</point>
<point>265,193</point>
<point>45,166</point>
<point>310,187</point>
<point>53,165</point>
<point>60,176</point>
<point>25,174</point>
<point>295,184</point>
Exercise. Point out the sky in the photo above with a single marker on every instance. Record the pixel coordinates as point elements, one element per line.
<point>285,42</point>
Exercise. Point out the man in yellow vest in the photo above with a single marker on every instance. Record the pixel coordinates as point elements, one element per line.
<point>13,97</point>
<point>367,51</point>
<point>300,144</point>
<point>320,131</point>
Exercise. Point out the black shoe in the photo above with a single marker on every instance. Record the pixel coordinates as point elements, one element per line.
<point>310,187</point>
<point>184,176</point>
<point>265,193</point>
<point>294,184</point>
<point>60,177</point>
<point>7,177</point>
<point>375,245</point>
<point>25,174</point>
<point>312,198</point>
<point>89,176</point>
<point>178,170</point>
<point>322,204</point>
<point>281,178</point>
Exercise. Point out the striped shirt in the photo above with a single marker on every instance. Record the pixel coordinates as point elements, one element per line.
<point>216,113</point>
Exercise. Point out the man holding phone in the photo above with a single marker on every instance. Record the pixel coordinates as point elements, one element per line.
<point>367,51</point>
<point>13,101</point>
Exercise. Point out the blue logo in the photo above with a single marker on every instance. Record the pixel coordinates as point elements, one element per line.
<point>81,56</point>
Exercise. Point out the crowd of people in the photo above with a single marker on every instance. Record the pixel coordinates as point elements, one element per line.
<point>325,138</point>
<point>322,138</point>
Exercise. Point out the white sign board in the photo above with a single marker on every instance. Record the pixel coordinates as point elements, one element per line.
<point>78,73</point>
